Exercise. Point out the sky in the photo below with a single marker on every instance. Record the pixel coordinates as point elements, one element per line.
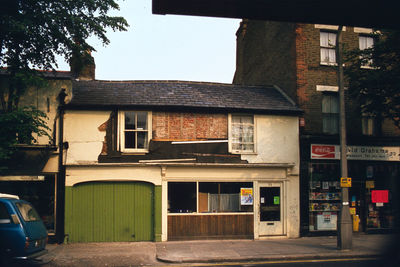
<point>166,47</point>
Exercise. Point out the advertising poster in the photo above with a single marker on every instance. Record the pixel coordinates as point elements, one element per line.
<point>246,196</point>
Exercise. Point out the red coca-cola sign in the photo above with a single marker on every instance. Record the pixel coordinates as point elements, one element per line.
<point>324,152</point>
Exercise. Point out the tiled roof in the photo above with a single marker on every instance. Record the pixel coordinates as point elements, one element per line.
<point>179,94</point>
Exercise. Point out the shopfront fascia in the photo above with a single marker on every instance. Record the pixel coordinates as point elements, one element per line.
<point>207,201</point>
<point>374,171</point>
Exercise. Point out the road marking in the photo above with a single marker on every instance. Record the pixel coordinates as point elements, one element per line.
<point>252,263</point>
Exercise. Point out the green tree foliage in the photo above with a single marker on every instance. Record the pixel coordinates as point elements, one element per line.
<point>374,76</point>
<point>32,34</point>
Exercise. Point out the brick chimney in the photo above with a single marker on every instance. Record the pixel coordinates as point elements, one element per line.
<point>82,66</point>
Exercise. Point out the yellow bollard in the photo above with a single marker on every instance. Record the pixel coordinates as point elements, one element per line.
<point>356,223</point>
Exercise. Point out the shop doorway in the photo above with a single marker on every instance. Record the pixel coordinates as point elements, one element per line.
<point>271,211</point>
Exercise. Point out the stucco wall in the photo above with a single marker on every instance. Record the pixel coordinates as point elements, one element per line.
<point>277,140</point>
<point>85,139</point>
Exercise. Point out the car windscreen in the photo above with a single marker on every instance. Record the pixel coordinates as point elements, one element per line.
<point>28,213</point>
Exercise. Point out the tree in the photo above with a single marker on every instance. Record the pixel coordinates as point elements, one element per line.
<point>374,76</point>
<point>32,34</point>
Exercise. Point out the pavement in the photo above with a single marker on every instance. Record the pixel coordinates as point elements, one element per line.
<point>219,251</point>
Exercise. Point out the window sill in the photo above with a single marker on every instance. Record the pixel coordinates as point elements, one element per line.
<point>328,63</point>
<point>138,152</point>
<point>243,153</point>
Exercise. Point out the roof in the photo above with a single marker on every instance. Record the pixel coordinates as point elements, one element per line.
<point>46,73</point>
<point>180,95</point>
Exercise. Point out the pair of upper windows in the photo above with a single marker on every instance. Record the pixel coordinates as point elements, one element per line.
<point>135,132</point>
<point>328,44</point>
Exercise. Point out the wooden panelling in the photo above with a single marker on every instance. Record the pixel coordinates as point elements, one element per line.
<point>186,227</point>
<point>110,212</point>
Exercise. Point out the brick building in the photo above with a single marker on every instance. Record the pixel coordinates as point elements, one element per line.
<point>300,58</point>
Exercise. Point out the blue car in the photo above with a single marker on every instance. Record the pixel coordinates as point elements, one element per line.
<point>23,235</point>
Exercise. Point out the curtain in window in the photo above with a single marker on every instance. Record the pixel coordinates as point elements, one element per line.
<point>327,43</point>
<point>224,202</point>
<point>330,112</point>
<point>243,133</point>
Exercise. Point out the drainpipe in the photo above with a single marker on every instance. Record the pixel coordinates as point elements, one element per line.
<point>60,186</point>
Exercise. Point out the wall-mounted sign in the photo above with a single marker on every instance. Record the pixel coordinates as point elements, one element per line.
<point>276,200</point>
<point>324,152</point>
<point>381,153</point>
<point>370,184</point>
<point>380,196</point>
<point>345,182</point>
<point>246,196</point>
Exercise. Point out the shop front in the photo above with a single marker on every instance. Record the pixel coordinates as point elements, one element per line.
<point>230,202</point>
<point>374,173</point>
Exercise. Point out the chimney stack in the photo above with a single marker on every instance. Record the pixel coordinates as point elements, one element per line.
<point>82,66</point>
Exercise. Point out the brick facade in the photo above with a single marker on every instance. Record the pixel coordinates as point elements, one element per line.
<point>288,55</point>
<point>175,126</point>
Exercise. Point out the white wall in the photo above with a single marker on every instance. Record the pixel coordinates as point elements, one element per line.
<point>81,131</point>
<point>277,140</point>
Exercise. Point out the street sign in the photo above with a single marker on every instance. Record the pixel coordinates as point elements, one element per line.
<point>345,182</point>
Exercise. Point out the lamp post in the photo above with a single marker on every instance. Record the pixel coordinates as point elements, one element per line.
<point>345,231</point>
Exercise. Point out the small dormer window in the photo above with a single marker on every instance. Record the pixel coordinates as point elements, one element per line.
<point>242,134</point>
<point>135,131</point>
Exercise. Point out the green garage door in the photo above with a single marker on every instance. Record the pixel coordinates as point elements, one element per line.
<point>109,212</point>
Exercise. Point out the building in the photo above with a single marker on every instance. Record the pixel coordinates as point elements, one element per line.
<point>300,59</point>
<point>32,171</point>
<point>173,160</point>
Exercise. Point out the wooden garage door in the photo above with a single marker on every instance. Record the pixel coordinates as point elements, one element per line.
<point>109,212</point>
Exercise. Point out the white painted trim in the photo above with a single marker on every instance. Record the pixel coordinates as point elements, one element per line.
<point>199,142</point>
<point>328,27</point>
<point>363,30</point>
<point>121,136</point>
<point>165,160</point>
<point>210,213</point>
<point>327,88</point>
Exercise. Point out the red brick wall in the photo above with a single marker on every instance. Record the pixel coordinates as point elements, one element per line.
<point>175,126</point>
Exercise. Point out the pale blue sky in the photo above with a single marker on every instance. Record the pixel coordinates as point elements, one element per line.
<point>158,47</point>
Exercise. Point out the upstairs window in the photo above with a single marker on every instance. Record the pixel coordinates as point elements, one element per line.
<point>328,43</point>
<point>242,134</point>
<point>368,125</point>
<point>330,114</point>
<point>366,42</point>
<point>135,131</point>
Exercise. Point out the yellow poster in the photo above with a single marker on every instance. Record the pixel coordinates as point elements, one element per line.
<point>246,196</point>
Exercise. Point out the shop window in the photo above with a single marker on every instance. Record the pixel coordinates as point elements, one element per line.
<point>225,197</point>
<point>328,52</point>
<point>181,197</point>
<point>330,114</point>
<point>213,197</point>
<point>324,196</point>
<point>242,134</point>
<point>135,131</point>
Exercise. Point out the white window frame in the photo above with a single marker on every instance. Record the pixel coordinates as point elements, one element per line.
<point>330,47</point>
<point>230,134</point>
<point>368,65</point>
<point>121,130</point>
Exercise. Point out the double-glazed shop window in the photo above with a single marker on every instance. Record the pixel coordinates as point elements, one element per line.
<point>209,197</point>
<point>135,131</point>
<point>330,113</point>
<point>242,136</point>
<point>327,44</point>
